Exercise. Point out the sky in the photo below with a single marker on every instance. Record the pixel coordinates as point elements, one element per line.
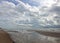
<point>30,13</point>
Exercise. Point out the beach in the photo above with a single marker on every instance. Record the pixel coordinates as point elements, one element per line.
<point>31,37</point>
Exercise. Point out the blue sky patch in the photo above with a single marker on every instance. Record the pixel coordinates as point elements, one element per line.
<point>30,2</point>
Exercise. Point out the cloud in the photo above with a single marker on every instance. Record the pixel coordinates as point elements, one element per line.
<point>31,2</point>
<point>47,3</point>
<point>27,15</point>
<point>13,1</point>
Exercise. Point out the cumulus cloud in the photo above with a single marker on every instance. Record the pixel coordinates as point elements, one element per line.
<point>47,3</point>
<point>45,15</point>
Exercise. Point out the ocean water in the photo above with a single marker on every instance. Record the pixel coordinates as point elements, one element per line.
<point>24,36</point>
<point>30,28</point>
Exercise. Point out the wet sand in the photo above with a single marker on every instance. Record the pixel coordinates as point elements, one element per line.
<point>52,34</point>
<point>48,33</point>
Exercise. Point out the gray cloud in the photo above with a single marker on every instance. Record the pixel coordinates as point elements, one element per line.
<point>24,14</point>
